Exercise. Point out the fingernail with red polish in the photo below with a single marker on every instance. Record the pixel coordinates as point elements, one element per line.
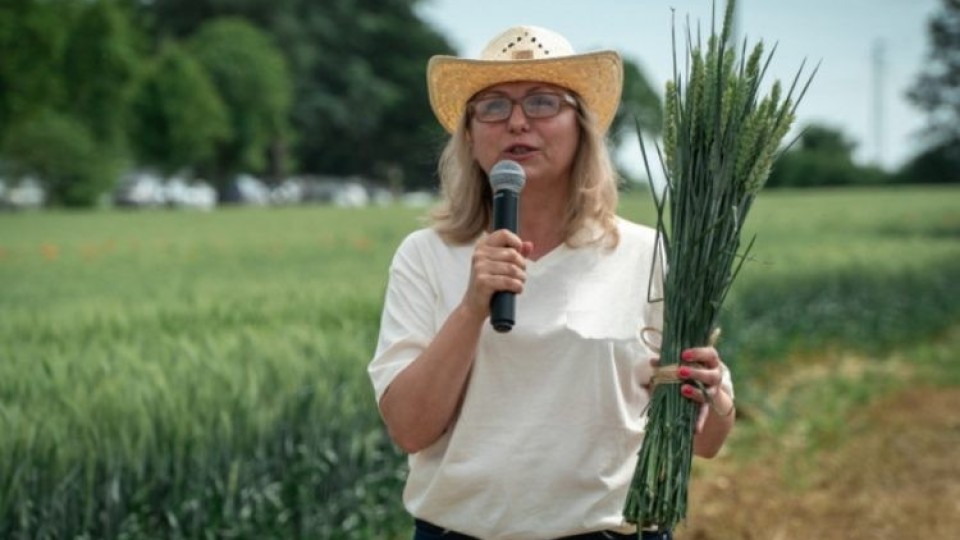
<point>687,391</point>
<point>683,372</point>
<point>687,355</point>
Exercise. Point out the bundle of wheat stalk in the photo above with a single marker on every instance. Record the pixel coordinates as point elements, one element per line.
<point>720,140</point>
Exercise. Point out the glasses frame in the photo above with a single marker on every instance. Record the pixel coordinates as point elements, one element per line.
<point>566,99</point>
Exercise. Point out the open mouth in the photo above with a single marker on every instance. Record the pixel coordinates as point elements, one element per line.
<point>519,150</point>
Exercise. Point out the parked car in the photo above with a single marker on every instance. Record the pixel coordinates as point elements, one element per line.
<point>140,189</point>
<point>351,195</point>
<point>148,189</point>
<point>246,189</point>
<point>380,196</point>
<point>26,193</point>
<point>289,191</point>
<point>197,194</point>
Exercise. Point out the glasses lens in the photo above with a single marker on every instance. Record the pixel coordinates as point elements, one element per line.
<point>499,108</point>
<point>492,109</point>
<point>541,105</point>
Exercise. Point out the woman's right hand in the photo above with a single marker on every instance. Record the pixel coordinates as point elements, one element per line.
<point>499,263</point>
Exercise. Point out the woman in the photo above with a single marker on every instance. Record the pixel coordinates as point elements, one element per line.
<point>532,434</point>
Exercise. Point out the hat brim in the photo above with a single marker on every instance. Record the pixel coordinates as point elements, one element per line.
<point>596,77</point>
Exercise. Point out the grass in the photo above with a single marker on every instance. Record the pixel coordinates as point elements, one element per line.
<point>208,367</point>
<point>188,375</point>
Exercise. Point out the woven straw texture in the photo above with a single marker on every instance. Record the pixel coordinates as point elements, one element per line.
<point>526,54</point>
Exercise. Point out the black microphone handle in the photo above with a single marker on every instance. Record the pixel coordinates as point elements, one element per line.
<point>506,210</point>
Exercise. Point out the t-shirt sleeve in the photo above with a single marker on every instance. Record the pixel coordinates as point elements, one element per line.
<point>407,322</point>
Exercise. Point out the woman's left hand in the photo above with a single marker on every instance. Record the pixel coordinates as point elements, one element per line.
<point>703,365</point>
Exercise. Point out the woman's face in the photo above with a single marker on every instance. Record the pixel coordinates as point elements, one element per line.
<point>544,147</point>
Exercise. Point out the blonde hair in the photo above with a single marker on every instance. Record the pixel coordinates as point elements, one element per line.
<point>465,209</point>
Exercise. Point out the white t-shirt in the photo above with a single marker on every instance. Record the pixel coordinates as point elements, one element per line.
<point>546,441</point>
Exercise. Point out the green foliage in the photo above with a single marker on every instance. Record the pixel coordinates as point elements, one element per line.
<point>405,145</point>
<point>194,375</point>
<point>32,35</point>
<point>823,156</point>
<point>639,105</point>
<point>937,88</point>
<point>937,165</point>
<point>100,62</point>
<point>315,87</point>
<point>62,152</point>
<point>360,103</point>
<point>722,138</point>
<point>867,268</point>
<point>812,169</point>
<point>362,106</point>
<point>251,77</point>
<point>177,117</point>
<point>253,424</point>
<point>828,141</point>
<point>876,310</point>
<point>64,82</point>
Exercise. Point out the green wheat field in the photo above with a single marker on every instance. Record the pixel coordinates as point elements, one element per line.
<point>168,374</point>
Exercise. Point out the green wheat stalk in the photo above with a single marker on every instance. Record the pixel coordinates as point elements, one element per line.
<point>720,141</point>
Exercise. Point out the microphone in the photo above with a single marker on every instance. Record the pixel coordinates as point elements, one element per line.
<point>507,179</point>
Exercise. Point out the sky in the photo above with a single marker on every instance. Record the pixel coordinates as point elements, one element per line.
<point>849,38</point>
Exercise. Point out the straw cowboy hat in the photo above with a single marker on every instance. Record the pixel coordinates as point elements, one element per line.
<point>526,53</point>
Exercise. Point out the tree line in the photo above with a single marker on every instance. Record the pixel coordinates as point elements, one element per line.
<point>218,87</point>
<point>91,88</point>
<point>215,87</point>
<point>823,155</point>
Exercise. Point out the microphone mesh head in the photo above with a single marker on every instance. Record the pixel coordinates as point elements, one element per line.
<point>507,174</point>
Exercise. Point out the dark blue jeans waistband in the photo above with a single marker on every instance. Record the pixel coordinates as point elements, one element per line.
<point>428,531</point>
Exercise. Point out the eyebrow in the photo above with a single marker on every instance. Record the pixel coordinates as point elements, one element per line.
<point>532,90</point>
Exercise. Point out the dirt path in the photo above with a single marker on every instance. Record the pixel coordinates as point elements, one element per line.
<point>895,476</point>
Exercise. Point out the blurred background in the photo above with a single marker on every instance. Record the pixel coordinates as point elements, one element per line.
<point>199,201</point>
<point>126,102</point>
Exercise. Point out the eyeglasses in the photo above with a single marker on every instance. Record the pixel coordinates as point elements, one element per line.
<point>534,106</point>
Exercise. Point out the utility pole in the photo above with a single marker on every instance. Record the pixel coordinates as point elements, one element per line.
<point>879,61</point>
<point>735,36</point>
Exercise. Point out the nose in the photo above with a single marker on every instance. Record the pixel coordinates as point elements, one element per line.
<point>517,122</point>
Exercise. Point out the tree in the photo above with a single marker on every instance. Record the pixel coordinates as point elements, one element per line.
<point>823,157</point>
<point>32,35</point>
<point>827,141</point>
<point>939,164</point>
<point>251,77</point>
<point>937,93</point>
<point>405,142</point>
<point>62,152</point>
<point>937,89</point>
<point>100,62</point>
<point>358,66</point>
<point>65,73</point>
<point>177,117</point>
<point>640,104</point>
